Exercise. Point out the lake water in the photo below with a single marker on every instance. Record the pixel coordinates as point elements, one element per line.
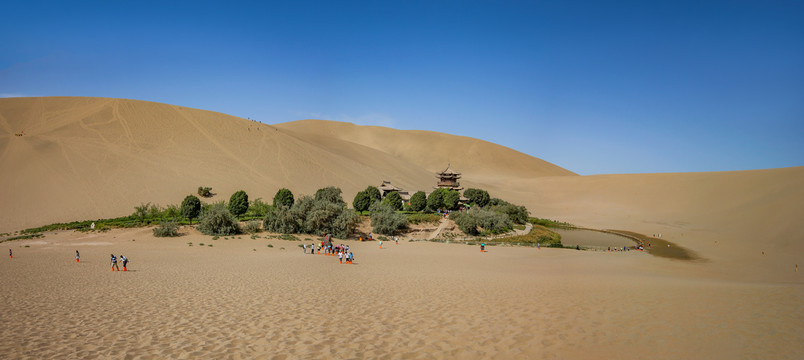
<point>592,238</point>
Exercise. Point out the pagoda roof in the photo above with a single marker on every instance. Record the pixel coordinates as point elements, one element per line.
<point>449,171</point>
<point>386,186</point>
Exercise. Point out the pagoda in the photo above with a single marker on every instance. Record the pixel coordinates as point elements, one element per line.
<point>448,179</point>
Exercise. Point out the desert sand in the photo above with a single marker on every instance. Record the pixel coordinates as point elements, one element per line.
<point>85,158</point>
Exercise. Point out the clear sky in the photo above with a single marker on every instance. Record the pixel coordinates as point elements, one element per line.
<point>596,87</point>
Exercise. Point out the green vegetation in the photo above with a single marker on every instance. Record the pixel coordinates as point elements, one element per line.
<point>190,207</point>
<point>167,229</point>
<point>204,191</point>
<point>477,197</point>
<point>284,198</point>
<point>451,199</point>
<point>435,201</point>
<point>218,221</point>
<point>238,203</point>
<point>491,222</point>
<point>23,237</point>
<point>361,202</point>
<point>538,235</point>
<point>385,220</point>
<point>257,209</point>
<point>418,218</point>
<point>330,194</point>
<point>326,214</point>
<point>418,201</point>
<point>373,194</point>
<point>252,227</point>
<point>394,200</point>
<point>550,223</point>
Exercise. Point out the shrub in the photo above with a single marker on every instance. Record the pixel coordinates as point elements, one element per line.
<point>423,218</point>
<point>284,198</point>
<point>489,221</point>
<point>172,211</point>
<point>418,201</point>
<point>394,200</point>
<point>252,227</point>
<point>218,221</point>
<point>190,207</point>
<point>362,201</point>
<point>312,216</point>
<point>385,220</point>
<point>167,229</point>
<point>477,196</point>
<point>330,194</point>
<point>238,203</point>
<point>141,212</point>
<point>204,191</point>
<point>466,223</point>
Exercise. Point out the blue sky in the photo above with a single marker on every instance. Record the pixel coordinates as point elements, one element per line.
<point>596,87</point>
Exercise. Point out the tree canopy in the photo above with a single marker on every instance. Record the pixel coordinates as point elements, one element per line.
<point>190,207</point>
<point>284,198</point>
<point>238,203</point>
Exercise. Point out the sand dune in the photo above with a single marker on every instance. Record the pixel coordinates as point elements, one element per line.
<point>84,158</point>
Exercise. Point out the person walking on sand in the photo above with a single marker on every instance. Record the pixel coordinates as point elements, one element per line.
<point>305,248</point>
<point>125,262</point>
<point>77,256</point>
<point>114,263</point>
<point>483,247</point>
<point>10,255</point>
<point>340,257</point>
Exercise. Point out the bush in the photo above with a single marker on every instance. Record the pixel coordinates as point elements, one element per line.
<point>490,221</point>
<point>204,191</point>
<point>282,220</point>
<point>385,220</point>
<point>172,211</point>
<point>312,216</point>
<point>141,212</point>
<point>218,221</point>
<point>253,226</point>
<point>329,194</point>
<point>167,229</point>
<point>477,196</point>
<point>394,200</point>
<point>284,198</point>
<point>362,201</point>
<point>423,218</point>
<point>418,201</point>
<point>190,207</point>
<point>238,203</point>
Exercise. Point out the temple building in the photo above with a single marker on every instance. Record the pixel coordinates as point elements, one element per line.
<point>386,188</point>
<point>448,179</point>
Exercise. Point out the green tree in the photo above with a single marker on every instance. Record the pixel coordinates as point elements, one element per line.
<point>141,212</point>
<point>190,207</point>
<point>172,211</point>
<point>362,201</point>
<point>284,198</point>
<point>373,194</point>
<point>436,200</point>
<point>238,203</point>
<point>418,201</point>
<point>258,208</point>
<point>394,200</point>
<point>451,199</point>
<point>330,194</point>
<point>478,197</point>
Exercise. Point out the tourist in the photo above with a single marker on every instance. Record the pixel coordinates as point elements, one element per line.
<point>352,259</point>
<point>9,254</point>
<point>312,249</point>
<point>482,247</point>
<point>114,263</point>
<point>305,248</point>
<point>340,257</point>
<point>77,256</point>
<point>125,262</point>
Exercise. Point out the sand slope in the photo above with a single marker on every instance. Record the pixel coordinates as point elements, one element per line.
<point>84,158</point>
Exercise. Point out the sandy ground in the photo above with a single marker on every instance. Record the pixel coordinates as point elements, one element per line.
<point>241,299</point>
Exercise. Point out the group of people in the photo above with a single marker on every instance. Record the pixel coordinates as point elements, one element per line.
<point>342,251</point>
<point>114,261</point>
